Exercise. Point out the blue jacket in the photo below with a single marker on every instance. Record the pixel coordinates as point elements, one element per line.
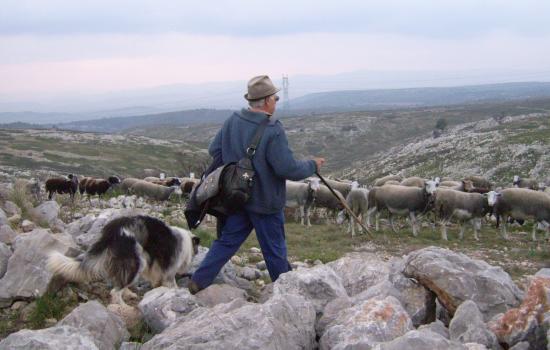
<point>273,162</point>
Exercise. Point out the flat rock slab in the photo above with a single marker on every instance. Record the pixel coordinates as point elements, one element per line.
<point>54,338</point>
<point>360,271</point>
<point>319,285</point>
<point>108,330</point>
<point>366,324</point>
<point>528,322</point>
<point>455,278</point>
<point>220,293</point>
<point>27,276</point>
<point>467,326</point>
<point>421,340</point>
<point>280,323</point>
<point>162,306</point>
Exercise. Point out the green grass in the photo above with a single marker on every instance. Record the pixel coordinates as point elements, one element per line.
<point>140,333</point>
<point>48,306</point>
<point>330,242</point>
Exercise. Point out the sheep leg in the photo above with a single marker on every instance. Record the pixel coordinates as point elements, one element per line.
<point>476,224</point>
<point>377,221</point>
<point>534,234</point>
<point>302,215</point>
<point>306,213</point>
<point>392,224</point>
<point>503,229</point>
<point>412,217</point>
<point>369,214</point>
<point>461,232</point>
<point>444,230</point>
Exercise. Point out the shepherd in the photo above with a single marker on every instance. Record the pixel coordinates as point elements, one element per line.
<point>274,163</point>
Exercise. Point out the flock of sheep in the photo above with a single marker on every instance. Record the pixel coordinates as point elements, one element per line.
<point>467,201</point>
<point>150,187</point>
<point>443,200</point>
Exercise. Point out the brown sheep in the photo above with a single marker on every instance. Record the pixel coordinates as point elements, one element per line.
<point>62,185</point>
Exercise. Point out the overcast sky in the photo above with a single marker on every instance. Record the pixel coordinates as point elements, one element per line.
<point>60,46</point>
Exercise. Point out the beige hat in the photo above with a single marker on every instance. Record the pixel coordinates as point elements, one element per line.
<point>260,87</point>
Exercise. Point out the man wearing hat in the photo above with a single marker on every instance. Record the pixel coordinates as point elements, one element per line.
<point>274,163</point>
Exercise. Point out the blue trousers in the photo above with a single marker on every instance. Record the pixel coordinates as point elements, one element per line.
<point>270,231</point>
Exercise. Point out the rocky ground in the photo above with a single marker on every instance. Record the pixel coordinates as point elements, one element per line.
<point>383,294</point>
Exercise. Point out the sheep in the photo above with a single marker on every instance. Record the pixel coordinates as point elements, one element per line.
<point>168,182</point>
<point>301,195</point>
<point>62,185</point>
<point>343,187</point>
<point>357,201</point>
<point>450,183</point>
<point>463,206</point>
<point>326,200</point>
<point>188,184</point>
<point>82,184</point>
<point>151,179</point>
<point>127,183</point>
<point>520,203</point>
<point>525,183</point>
<point>391,182</point>
<point>381,181</point>
<point>479,182</point>
<point>150,190</point>
<point>100,186</point>
<point>401,200</point>
<point>462,186</point>
<point>413,182</point>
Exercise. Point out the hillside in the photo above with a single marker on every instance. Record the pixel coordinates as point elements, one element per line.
<point>347,138</point>
<point>518,145</point>
<point>94,154</point>
<point>353,100</point>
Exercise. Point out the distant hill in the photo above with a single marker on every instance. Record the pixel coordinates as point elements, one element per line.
<point>110,125</point>
<point>328,102</point>
<point>361,100</point>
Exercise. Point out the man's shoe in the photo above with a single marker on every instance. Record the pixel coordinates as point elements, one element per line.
<point>193,287</point>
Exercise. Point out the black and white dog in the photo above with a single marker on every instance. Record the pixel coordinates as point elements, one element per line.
<point>129,247</point>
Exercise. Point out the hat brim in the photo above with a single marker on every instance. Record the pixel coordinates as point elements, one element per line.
<point>253,98</point>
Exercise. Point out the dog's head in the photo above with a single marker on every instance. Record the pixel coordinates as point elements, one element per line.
<point>195,241</point>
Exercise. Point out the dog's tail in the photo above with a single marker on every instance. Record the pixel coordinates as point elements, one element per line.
<point>75,269</point>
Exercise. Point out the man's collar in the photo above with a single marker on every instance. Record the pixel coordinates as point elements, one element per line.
<point>257,117</point>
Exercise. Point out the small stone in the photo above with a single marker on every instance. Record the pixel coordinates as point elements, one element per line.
<point>235,259</point>
<point>26,311</point>
<point>11,208</point>
<point>14,220</point>
<point>18,305</point>
<point>49,322</point>
<point>261,265</point>
<point>317,262</point>
<point>249,273</point>
<point>27,226</point>
<point>255,250</point>
<point>7,234</point>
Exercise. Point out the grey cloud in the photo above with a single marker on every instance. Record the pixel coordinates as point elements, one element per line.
<point>429,18</point>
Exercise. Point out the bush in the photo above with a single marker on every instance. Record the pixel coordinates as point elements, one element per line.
<point>441,124</point>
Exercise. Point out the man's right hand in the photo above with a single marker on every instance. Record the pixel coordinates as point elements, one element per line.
<point>319,162</point>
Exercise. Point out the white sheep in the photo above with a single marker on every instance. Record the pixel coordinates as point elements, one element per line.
<point>521,203</point>
<point>150,190</point>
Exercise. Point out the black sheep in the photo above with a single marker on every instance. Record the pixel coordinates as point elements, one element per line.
<point>62,185</point>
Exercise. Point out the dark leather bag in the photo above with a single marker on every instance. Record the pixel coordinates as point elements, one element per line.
<point>226,189</point>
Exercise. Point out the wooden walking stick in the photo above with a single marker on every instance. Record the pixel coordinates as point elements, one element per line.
<point>344,204</point>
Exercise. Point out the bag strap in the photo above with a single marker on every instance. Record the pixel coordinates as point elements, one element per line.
<point>251,150</point>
